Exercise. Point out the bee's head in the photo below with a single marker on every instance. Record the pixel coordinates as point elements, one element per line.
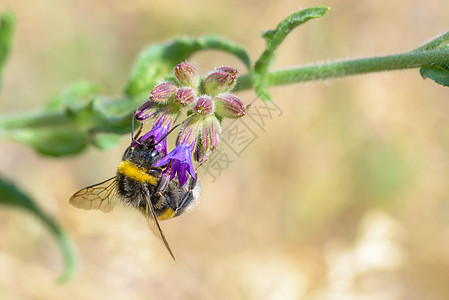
<point>148,148</point>
<point>145,151</point>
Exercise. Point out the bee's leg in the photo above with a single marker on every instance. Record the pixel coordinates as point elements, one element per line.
<point>163,183</point>
<point>192,183</point>
<point>188,196</point>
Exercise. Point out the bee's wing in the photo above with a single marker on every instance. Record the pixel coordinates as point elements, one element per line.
<point>102,196</point>
<point>150,215</point>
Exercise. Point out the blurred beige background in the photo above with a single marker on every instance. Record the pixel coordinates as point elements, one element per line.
<point>342,195</point>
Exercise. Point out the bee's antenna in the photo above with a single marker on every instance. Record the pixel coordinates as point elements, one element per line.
<point>132,125</point>
<point>134,137</point>
<point>170,131</point>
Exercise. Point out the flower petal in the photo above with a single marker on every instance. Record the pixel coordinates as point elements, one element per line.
<point>179,162</point>
<point>160,129</point>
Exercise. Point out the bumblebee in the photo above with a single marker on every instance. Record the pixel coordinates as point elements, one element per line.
<point>141,185</point>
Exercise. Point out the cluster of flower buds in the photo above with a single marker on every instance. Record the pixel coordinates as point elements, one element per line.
<point>205,102</point>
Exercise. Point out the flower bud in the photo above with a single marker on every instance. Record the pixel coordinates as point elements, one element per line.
<point>190,131</point>
<point>185,96</point>
<point>210,138</point>
<point>201,155</point>
<point>229,106</point>
<point>210,134</point>
<point>218,82</point>
<point>165,117</point>
<point>146,110</point>
<point>204,105</point>
<point>163,92</point>
<point>187,74</point>
<point>227,69</point>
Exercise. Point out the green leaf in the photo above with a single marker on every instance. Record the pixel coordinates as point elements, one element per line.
<point>273,39</point>
<point>105,141</point>
<point>438,74</point>
<point>53,141</point>
<point>113,118</point>
<point>70,127</point>
<point>439,43</point>
<point>6,32</point>
<point>74,97</point>
<point>91,114</point>
<point>10,195</point>
<point>158,60</point>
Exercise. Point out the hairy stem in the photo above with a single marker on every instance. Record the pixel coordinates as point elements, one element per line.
<point>407,60</point>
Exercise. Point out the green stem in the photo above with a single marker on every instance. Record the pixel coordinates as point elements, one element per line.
<point>407,60</point>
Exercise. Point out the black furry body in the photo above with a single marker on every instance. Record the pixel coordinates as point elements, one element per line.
<point>168,198</point>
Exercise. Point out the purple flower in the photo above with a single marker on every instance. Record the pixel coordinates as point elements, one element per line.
<point>158,133</point>
<point>179,162</point>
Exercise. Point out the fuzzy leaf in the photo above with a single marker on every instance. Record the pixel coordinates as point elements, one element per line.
<point>74,97</point>
<point>105,141</point>
<point>439,43</point>
<point>53,141</point>
<point>158,60</point>
<point>10,195</point>
<point>273,39</point>
<point>438,74</point>
<point>68,125</point>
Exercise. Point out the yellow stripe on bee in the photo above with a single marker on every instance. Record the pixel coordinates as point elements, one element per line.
<point>132,171</point>
<point>167,214</point>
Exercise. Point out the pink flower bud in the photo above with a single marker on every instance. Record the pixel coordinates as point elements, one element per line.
<point>185,96</point>
<point>227,69</point>
<point>201,155</point>
<point>146,110</point>
<point>187,74</point>
<point>211,133</point>
<point>210,138</point>
<point>163,92</point>
<point>218,82</point>
<point>204,105</point>
<point>229,106</point>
